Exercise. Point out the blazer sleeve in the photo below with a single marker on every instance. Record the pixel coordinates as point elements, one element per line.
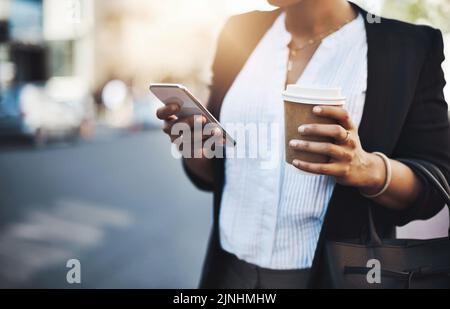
<point>197,181</point>
<point>426,133</point>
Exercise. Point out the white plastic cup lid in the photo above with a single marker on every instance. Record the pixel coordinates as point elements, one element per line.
<point>321,96</point>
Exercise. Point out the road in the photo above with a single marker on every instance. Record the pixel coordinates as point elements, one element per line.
<point>121,205</point>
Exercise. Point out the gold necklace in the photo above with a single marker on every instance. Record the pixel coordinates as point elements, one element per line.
<point>318,39</point>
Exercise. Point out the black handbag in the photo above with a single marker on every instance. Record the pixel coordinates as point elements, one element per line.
<point>391,263</point>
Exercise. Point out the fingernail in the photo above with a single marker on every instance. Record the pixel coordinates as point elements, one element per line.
<point>302,129</point>
<point>317,110</point>
<point>296,162</point>
<point>295,143</point>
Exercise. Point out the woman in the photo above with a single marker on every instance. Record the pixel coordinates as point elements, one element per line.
<point>270,225</point>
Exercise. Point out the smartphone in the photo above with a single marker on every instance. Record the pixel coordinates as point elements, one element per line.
<point>190,106</point>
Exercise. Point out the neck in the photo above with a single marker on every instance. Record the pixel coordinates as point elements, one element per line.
<point>313,17</point>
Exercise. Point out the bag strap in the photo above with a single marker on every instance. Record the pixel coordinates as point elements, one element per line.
<point>434,175</point>
<point>437,172</point>
<point>437,180</point>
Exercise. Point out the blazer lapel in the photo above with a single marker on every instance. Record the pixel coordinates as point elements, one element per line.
<point>375,131</point>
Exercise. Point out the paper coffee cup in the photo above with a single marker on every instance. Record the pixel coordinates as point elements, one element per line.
<point>298,105</point>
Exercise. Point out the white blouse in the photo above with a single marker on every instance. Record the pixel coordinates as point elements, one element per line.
<point>272,217</point>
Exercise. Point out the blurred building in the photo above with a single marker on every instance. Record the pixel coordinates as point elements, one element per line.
<point>89,43</point>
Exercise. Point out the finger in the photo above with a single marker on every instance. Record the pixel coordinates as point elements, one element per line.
<point>198,145</point>
<point>167,128</point>
<point>195,125</point>
<point>212,130</point>
<point>328,149</point>
<point>172,118</point>
<point>168,124</point>
<point>337,113</point>
<point>215,133</point>
<point>173,124</point>
<point>191,121</point>
<point>192,152</point>
<point>175,139</point>
<point>327,130</point>
<point>329,169</point>
<point>168,110</point>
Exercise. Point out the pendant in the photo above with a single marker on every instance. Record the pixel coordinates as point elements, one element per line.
<point>290,65</point>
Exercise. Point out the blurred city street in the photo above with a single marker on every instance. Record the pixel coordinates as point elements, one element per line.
<point>119,204</point>
<point>85,170</point>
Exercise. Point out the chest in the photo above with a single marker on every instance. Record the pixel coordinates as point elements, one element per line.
<point>255,96</point>
<point>297,63</point>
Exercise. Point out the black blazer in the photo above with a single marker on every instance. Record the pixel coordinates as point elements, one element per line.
<point>405,116</point>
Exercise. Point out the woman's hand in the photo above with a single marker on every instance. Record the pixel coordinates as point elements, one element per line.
<point>195,160</point>
<point>349,164</point>
<point>168,114</point>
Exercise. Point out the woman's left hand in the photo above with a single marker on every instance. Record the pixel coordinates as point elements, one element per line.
<point>349,164</point>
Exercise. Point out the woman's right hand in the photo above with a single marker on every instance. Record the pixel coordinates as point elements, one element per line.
<point>196,163</point>
<point>168,114</point>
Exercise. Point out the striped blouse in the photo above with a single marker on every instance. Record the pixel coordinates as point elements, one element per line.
<point>271,215</point>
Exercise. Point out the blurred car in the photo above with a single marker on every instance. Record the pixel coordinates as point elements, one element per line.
<point>12,126</point>
<point>43,113</point>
